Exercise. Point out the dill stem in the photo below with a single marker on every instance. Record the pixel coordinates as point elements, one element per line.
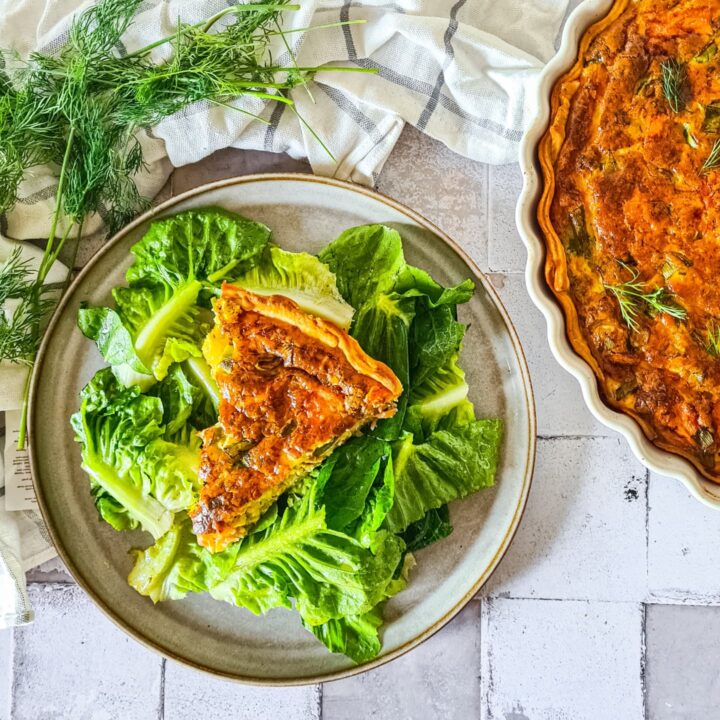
<point>22,432</point>
<point>323,26</point>
<point>54,256</point>
<point>44,266</point>
<point>207,24</point>
<point>43,269</point>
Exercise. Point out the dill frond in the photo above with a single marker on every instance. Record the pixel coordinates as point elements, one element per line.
<point>711,340</point>
<point>18,325</point>
<point>713,159</point>
<point>675,84</point>
<point>633,296</point>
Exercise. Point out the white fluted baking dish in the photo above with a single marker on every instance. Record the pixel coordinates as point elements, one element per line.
<point>660,461</point>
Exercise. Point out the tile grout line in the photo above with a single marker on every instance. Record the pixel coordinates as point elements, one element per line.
<point>643,661</point>
<point>488,218</point>
<point>647,532</point>
<point>11,679</point>
<point>320,690</point>
<point>161,707</point>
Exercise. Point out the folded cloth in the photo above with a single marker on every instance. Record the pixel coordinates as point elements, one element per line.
<point>24,540</point>
<point>460,71</point>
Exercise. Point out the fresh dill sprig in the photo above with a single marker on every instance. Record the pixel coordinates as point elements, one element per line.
<point>633,294</point>
<point>711,340</point>
<point>79,110</point>
<point>20,312</point>
<point>713,159</point>
<point>675,84</point>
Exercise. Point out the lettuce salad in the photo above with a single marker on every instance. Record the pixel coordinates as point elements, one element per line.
<point>337,545</point>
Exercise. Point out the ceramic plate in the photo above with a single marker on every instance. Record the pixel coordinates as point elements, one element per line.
<point>304,213</point>
<point>650,455</point>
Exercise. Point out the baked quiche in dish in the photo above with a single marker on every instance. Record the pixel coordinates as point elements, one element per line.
<point>630,213</point>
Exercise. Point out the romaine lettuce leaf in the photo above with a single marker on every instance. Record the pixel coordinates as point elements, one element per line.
<point>113,340</point>
<point>436,338</point>
<point>327,573</point>
<point>366,261</point>
<point>355,635</point>
<point>382,327</point>
<point>113,426</point>
<point>414,281</point>
<point>302,278</point>
<point>449,465</point>
<point>439,402</point>
<point>209,244</point>
<point>431,527</point>
<point>142,468</point>
<point>355,466</point>
<point>159,319</point>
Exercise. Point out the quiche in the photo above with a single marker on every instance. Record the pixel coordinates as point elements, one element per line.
<point>630,212</point>
<point>293,386</point>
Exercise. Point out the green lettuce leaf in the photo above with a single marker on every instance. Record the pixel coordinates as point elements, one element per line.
<point>302,278</point>
<point>327,573</point>
<point>210,244</point>
<point>159,320</point>
<point>113,426</point>
<point>449,465</point>
<point>439,402</point>
<point>140,451</point>
<point>417,282</point>
<point>356,464</point>
<point>382,327</point>
<point>113,340</point>
<point>366,261</point>
<point>295,558</point>
<point>355,635</point>
<point>431,527</point>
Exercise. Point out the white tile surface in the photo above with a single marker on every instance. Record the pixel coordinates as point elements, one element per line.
<point>506,251</point>
<point>683,665</point>
<point>684,545</point>
<point>436,681</point>
<point>447,189</point>
<point>583,533</point>
<point>6,656</point>
<point>73,663</point>
<point>190,695</point>
<point>51,571</point>
<point>549,660</point>
<point>560,406</point>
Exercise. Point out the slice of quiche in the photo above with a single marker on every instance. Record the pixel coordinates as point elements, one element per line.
<point>293,386</point>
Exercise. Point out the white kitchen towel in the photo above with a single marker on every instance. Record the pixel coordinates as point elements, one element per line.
<point>461,71</point>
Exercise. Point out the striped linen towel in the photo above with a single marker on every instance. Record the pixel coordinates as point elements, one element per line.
<point>461,71</point>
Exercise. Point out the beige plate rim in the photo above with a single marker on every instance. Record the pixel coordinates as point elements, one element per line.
<point>529,463</point>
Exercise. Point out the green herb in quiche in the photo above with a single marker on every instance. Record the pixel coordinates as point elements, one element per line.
<point>633,295</point>
<point>713,159</point>
<point>675,84</point>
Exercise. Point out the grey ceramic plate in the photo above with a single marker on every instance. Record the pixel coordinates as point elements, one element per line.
<point>304,213</point>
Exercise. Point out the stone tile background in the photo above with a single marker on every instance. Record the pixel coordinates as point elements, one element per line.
<point>603,609</point>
